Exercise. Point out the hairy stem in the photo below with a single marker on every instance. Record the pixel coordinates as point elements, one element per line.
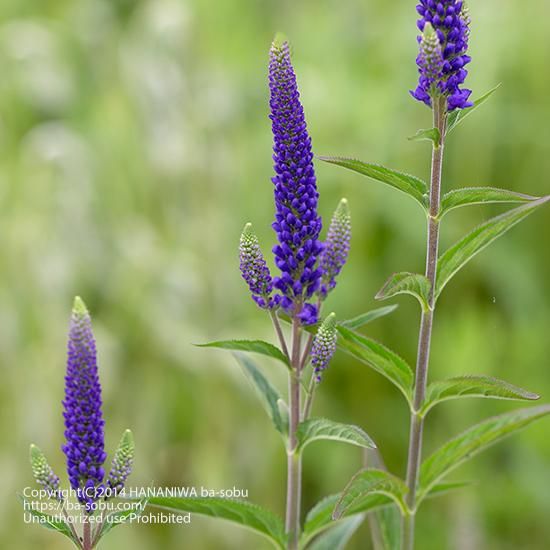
<point>424,338</point>
<point>294,460</point>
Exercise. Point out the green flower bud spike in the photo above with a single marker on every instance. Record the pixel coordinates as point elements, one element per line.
<point>43,473</point>
<point>122,462</point>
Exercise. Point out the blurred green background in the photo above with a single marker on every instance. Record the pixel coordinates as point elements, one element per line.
<point>134,145</point>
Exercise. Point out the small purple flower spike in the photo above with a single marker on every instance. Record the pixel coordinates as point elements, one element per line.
<point>297,222</point>
<point>324,345</point>
<point>336,247</point>
<point>83,417</point>
<point>443,45</point>
<point>254,269</point>
<point>121,467</point>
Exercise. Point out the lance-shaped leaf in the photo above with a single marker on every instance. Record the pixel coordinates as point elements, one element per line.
<point>473,386</point>
<point>458,115</point>
<point>464,250</point>
<point>471,442</point>
<point>336,538</point>
<point>321,428</point>
<point>365,318</point>
<point>366,483</point>
<point>272,402</point>
<point>253,346</point>
<point>411,185</point>
<point>379,358</point>
<point>428,134</point>
<point>414,284</point>
<point>243,513</point>
<point>54,523</point>
<point>467,196</point>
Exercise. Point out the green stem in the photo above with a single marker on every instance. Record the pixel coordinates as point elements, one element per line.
<point>309,399</point>
<point>294,460</point>
<point>424,339</point>
<point>279,331</point>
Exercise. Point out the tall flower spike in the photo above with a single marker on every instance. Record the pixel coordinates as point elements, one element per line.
<point>43,473</point>
<point>121,466</point>
<point>324,345</point>
<point>254,268</point>
<point>450,21</point>
<point>336,247</point>
<point>297,223</point>
<point>83,418</point>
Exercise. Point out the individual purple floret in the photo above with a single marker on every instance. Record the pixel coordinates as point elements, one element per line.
<point>121,467</point>
<point>442,69</point>
<point>297,223</point>
<point>336,247</point>
<point>254,268</point>
<point>83,417</point>
<point>324,345</point>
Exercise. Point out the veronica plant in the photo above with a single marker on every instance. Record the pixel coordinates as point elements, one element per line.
<point>84,448</point>
<point>443,43</point>
<point>308,270</point>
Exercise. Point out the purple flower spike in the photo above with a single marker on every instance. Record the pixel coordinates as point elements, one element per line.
<point>336,247</point>
<point>297,223</point>
<point>443,45</point>
<point>83,417</point>
<point>254,269</point>
<point>324,345</point>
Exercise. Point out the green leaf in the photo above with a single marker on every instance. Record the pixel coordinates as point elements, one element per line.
<point>387,528</point>
<point>336,538</point>
<point>269,396</point>
<point>407,283</point>
<point>458,115</point>
<point>430,134</point>
<point>440,489</point>
<point>471,442</point>
<point>379,358</point>
<point>366,483</point>
<point>49,522</point>
<point>467,196</point>
<point>411,185</point>
<point>244,513</point>
<point>319,518</point>
<point>369,316</point>
<point>472,386</point>
<point>464,250</point>
<point>321,428</point>
<point>253,346</point>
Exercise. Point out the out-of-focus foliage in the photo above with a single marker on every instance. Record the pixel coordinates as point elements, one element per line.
<point>134,145</point>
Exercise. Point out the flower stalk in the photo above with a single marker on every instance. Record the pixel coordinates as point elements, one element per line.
<point>294,459</point>
<point>426,323</point>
